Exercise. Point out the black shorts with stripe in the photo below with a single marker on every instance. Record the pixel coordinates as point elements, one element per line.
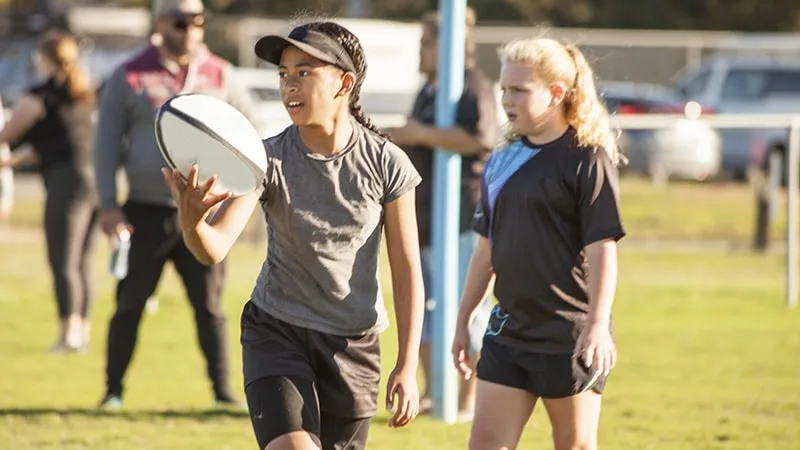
<point>541,374</point>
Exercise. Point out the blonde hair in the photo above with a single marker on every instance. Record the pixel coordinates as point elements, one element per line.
<point>62,50</point>
<point>555,62</point>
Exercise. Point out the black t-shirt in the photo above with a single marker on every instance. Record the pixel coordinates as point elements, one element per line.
<point>476,114</point>
<point>65,134</point>
<point>541,206</point>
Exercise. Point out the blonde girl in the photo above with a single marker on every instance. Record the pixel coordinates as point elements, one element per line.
<point>549,220</point>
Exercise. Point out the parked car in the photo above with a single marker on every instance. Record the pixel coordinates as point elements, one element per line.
<point>752,85</point>
<point>689,150</point>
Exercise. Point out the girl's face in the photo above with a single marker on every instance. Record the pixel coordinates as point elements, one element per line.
<point>313,92</point>
<point>533,108</point>
<point>44,67</point>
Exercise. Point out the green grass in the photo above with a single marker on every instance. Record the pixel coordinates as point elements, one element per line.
<point>679,210</point>
<point>706,347</point>
<point>706,362</point>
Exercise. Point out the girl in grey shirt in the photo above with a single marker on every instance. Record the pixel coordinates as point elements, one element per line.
<point>311,353</point>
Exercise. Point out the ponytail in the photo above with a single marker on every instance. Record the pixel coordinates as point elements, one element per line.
<point>361,117</point>
<point>586,113</point>
<point>77,84</point>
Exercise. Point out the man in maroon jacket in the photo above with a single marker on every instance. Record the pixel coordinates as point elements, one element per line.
<point>176,62</point>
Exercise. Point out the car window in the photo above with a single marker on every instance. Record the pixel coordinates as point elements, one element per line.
<point>783,82</point>
<point>743,84</point>
<point>697,86</point>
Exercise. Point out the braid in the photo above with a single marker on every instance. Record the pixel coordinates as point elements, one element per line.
<point>352,46</point>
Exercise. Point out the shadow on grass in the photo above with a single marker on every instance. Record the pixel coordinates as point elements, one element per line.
<point>197,414</point>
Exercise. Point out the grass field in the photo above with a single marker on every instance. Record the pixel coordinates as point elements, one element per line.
<point>706,349</point>
<point>679,211</point>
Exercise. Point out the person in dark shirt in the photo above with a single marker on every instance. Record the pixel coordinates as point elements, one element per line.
<point>549,219</point>
<point>473,136</point>
<point>55,119</point>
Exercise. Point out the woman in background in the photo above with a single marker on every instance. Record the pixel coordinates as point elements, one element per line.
<point>55,118</point>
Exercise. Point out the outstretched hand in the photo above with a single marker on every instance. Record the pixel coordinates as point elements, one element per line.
<point>194,201</point>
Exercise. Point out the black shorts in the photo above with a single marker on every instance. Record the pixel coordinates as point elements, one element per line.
<point>544,375</point>
<point>343,372</point>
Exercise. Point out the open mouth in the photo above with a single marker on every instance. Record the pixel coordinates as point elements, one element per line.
<point>293,105</point>
<point>511,117</point>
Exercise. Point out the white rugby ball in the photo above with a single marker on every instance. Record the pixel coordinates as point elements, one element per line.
<point>205,130</point>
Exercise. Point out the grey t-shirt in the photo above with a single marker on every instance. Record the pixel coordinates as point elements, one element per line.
<point>324,222</point>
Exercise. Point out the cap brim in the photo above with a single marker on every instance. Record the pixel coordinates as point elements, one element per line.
<point>270,48</point>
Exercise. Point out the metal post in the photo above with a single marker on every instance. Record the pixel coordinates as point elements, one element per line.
<point>446,206</point>
<point>792,219</point>
<point>6,176</point>
<point>767,199</point>
<point>358,8</point>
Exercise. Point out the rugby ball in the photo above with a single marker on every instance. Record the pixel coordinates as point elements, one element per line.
<point>202,129</point>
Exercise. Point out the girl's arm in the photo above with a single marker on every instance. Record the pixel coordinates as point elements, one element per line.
<point>479,277</point>
<point>602,260</point>
<point>21,157</point>
<point>208,233</point>
<point>27,112</point>
<point>211,240</point>
<point>595,344</point>
<point>402,242</point>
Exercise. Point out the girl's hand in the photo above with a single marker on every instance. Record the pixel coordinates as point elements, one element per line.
<point>460,352</point>
<point>597,348</point>
<point>402,383</point>
<point>194,202</point>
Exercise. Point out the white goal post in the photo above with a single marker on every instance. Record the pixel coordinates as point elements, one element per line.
<point>746,121</point>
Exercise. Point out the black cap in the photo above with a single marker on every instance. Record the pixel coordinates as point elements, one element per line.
<point>319,45</point>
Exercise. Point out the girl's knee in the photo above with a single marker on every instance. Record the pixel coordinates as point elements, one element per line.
<point>486,439</point>
<point>294,440</point>
<point>574,439</point>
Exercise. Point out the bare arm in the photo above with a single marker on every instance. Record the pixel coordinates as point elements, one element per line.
<point>210,241</point>
<point>409,295</point>
<point>454,139</point>
<point>479,277</point>
<point>602,259</point>
<point>21,157</point>
<point>26,113</point>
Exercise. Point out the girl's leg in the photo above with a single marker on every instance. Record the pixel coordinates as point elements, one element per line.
<point>344,433</point>
<point>501,413</point>
<point>574,420</point>
<point>572,401</point>
<point>503,403</point>
<point>284,412</point>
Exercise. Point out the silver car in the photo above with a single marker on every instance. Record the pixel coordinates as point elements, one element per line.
<point>689,150</point>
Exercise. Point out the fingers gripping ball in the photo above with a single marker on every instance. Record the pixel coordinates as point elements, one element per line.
<point>202,130</point>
